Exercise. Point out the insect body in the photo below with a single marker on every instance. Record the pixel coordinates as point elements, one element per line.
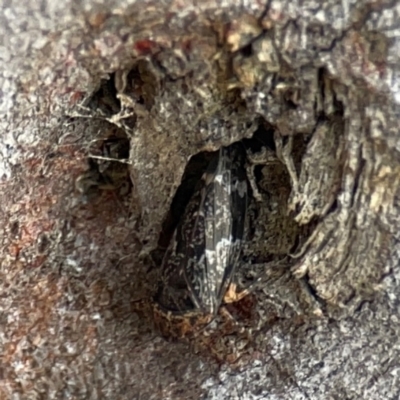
<point>200,261</point>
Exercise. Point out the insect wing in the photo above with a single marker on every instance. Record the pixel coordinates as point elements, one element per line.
<point>182,277</point>
<point>201,259</point>
<point>212,231</point>
<point>228,237</point>
<point>220,226</point>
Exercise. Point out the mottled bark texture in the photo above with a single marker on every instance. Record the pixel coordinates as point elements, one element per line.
<point>313,86</point>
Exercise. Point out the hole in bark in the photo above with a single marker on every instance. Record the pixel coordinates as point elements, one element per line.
<point>247,51</point>
<point>104,100</point>
<point>141,85</point>
<point>271,233</point>
<point>14,228</point>
<point>108,161</point>
<point>123,94</point>
<point>262,137</point>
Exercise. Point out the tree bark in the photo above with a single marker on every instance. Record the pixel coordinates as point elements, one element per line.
<point>316,86</point>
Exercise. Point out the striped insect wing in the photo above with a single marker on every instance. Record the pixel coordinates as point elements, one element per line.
<point>201,259</point>
<point>225,205</point>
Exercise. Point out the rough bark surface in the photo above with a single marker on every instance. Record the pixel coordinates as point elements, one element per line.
<point>318,80</point>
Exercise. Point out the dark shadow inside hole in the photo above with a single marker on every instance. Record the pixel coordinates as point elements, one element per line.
<point>108,165</point>
<point>105,98</point>
<point>289,99</point>
<point>258,175</point>
<point>333,207</point>
<point>262,137</point>
<point>247,51</point>
<point>139,85</point>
